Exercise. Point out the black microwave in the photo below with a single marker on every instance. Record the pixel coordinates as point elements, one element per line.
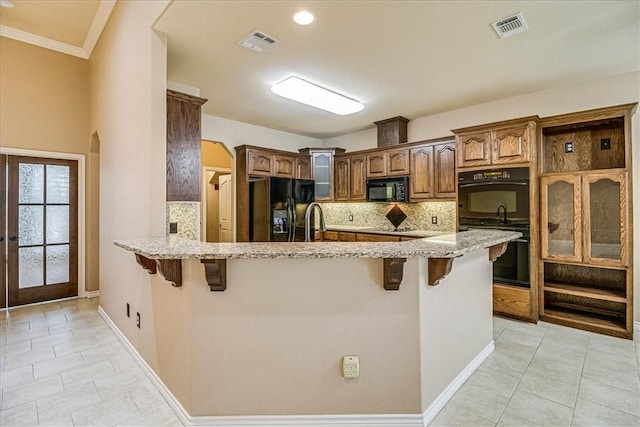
<point>388,189</point>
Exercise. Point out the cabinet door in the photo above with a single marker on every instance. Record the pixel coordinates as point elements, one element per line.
<point>341,190</point>
<point>322,169</point>
<point>358,179</point>
<point>346,236</point>
<point>511,145</point>
<point>303,167</point>
<point>376,165</point>
<point>445,171</point>
<point>367,237</point>
<point>421,181</point>
<point>561,217</point>
<point>474,149</point>
<point>397,162</point>
<point>605,222</point>
<point>284,166</point>
<point>260,163</point>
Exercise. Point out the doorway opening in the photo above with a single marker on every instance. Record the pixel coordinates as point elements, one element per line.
<point>217,208</point>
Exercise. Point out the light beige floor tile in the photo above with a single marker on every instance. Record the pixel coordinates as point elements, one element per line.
<point>87,373</point>
<point>147,398</point>
<point>609,344</point>
<point>75,346</point>
<point>62,421</point>
<point>82,316</point>
<point>122,382</point>
<point>8,327</point>
<point>568,371</point>
<point>609,373</point>
<point>453,414</point>
<point>538,410</point>
<point>58,328</point>
<point>51,340</point>
<point>14,377</point>
<point>107,412</point>
<point>28,358</point>
<point>589,414</point>
<point>17,336</point>
<point>519,337</point>
<point>57,365</point>
<point>21,415</point>
<point>30,391</point>
<point>481,401</point>
<point>623,359</point>
<point>496,380</point>
<point>512,357</point>
<point>540,329</point>
<point>161,416</point>
<point>611,397</point>
<point>512,420</point>
<point>122,361</point>
<point>499,325</point>
<point>104,351</point>
<point>17,348</point>
<point>67,401</point>
<point>548,387</point>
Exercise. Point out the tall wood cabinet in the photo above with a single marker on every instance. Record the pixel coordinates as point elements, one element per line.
<point>586,254</point>
<point>322,171</point>
<point>351,178</point>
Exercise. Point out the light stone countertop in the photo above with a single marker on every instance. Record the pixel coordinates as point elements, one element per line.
<point>390,232</point>
<point>443,246</point>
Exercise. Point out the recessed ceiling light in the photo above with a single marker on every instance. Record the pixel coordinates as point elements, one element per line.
<point>6,3</point>
<point>299,90</point>
<point>303,17</point>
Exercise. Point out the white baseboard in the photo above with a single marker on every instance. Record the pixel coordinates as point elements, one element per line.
<point>91,294</point>
<point>438,403</point>
<point>636,328</point>
<point>381,420</point>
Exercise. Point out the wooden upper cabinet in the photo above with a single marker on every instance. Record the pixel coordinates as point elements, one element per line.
<point>511,145</point>
<point>284,166</point>
<point>259,163</point>
<point>303,168</point>
<point>445,170</point>
<point>376,164</point>
<point>341,181</point>
<point>502,143</point>
<point>474,149</point>
<point>358,178</point>
<point>397,162</point>
<point>421,182</point>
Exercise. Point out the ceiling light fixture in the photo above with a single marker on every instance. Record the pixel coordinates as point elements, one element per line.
<point>7,3</point>
<point>303,17</point>
<point>299,90</point>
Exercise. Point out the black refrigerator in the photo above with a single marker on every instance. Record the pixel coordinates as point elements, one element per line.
<point>277,207</point>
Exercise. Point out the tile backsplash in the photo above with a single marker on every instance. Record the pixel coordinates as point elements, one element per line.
<point>373,215</point>
<point>187,217</point>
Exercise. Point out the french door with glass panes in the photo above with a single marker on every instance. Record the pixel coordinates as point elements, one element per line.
<point>42,229</point>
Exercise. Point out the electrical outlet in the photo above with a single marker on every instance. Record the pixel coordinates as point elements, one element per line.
<point>568,147</point>
<point>173,227</point>
<point>138,320</point>
<point>350,217</point>
<point>350,367</point>
<point>128,310</point>
<point>434,220</point>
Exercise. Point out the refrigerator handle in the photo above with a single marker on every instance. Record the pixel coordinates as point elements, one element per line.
<point>288,219</point>
<point>294,223</point>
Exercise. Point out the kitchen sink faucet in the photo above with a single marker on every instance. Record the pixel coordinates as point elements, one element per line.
<point>307,221</point>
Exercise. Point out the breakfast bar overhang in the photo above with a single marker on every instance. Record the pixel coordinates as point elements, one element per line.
<point>270,341</point>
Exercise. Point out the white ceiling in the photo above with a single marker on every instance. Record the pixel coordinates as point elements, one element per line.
<point>409,58</point>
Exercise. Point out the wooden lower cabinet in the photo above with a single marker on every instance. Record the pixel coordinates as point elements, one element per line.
<point>512,301</point>
<point>366,237</point>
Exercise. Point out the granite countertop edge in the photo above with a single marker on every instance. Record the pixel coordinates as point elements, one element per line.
<point>443,246</point>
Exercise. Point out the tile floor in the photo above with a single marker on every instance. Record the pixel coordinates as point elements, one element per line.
<point>61,365</point>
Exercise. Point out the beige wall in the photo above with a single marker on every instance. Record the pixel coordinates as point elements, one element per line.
<point>581,96</point>
<point>215,155</point>
<point>128,110</point>
<point>44,102</point>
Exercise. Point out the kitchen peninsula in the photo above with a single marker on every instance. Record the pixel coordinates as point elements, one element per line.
<point>272,342</point>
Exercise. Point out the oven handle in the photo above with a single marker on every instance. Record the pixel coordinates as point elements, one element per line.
<point>478,184</point>
<point>521,241</point>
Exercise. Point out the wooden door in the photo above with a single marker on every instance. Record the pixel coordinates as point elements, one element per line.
<point>421,181</point>
<point>445,171</point>
<point>561,217</point>
<point>357,178</point>
<point>397,162</point>
<point>42,224</point>
<point>225,212</point>
<point>303,167</point>
<point>341,190</point>
<point>3,239</point>
<point>376,165</point>
<point>605,218</point>
<point>474,149</point>
<point>511,145</point>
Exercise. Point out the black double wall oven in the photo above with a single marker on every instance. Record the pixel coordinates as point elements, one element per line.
<point>499,199</point>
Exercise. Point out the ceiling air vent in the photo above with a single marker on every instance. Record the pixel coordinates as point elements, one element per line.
<point>258,41</point>
<point>509,26</point>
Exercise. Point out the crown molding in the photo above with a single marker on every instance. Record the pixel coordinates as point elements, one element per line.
<point>97,25</point>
